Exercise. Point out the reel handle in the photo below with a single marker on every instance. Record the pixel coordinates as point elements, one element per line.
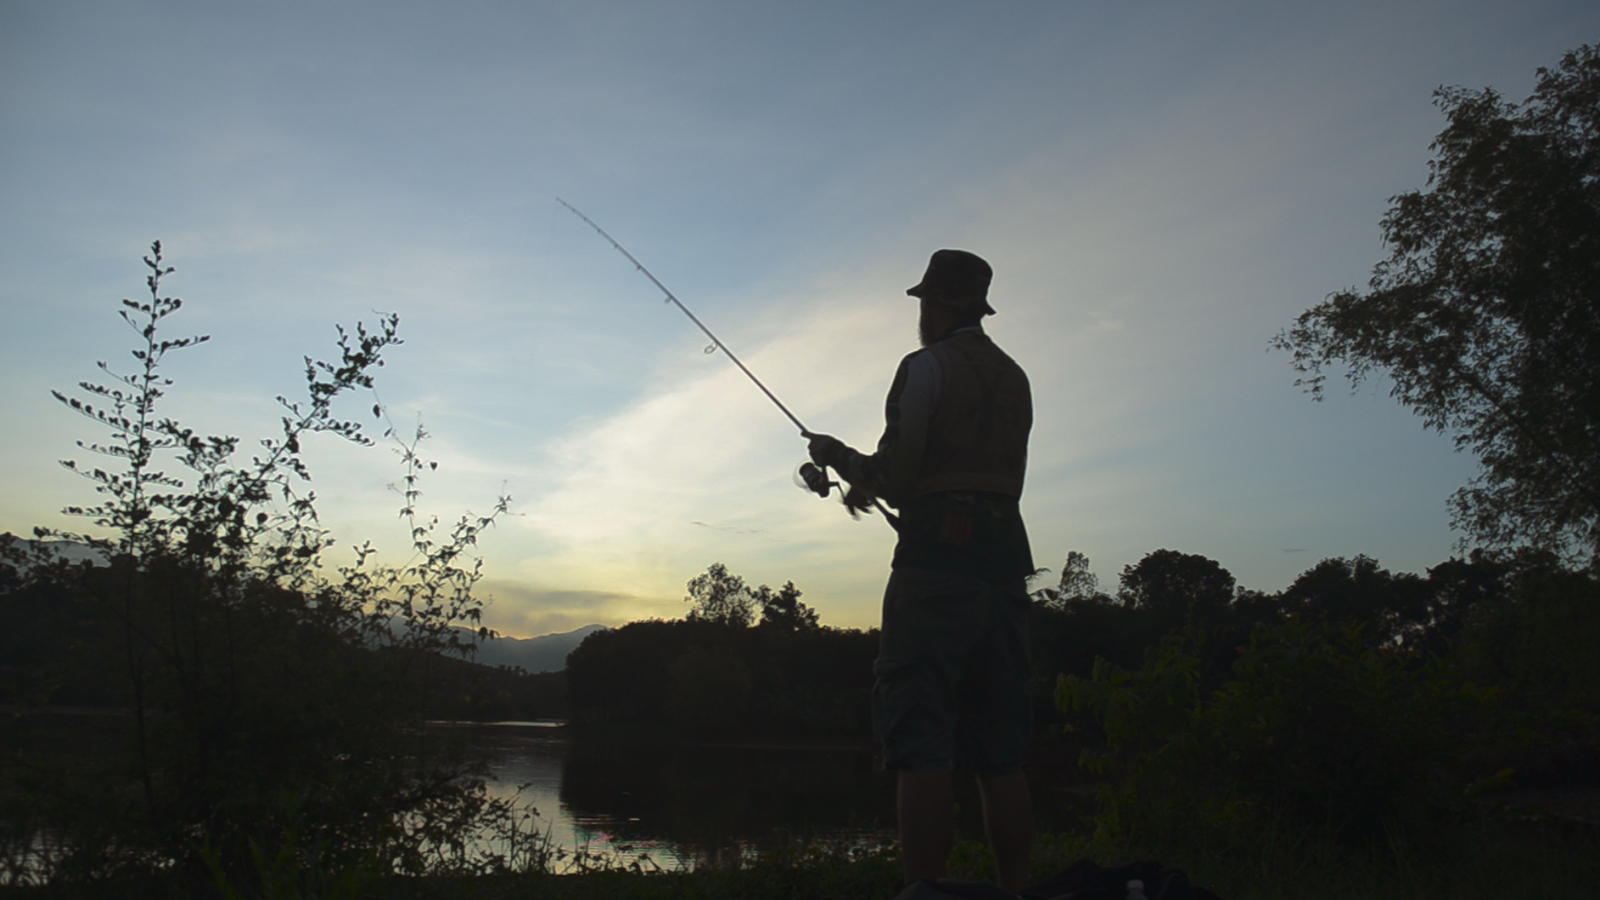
<point>815,479</point>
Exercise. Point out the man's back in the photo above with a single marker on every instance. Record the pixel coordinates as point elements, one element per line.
<point>978,431</point>
<point>958,415</point>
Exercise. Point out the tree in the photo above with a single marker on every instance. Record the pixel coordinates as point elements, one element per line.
<point>1486,315</point>
<point>1359,591</point>
<point>782,609</point>
<point>720,596</point>
<point>706,692</point>
<point>788,677</point>
<point>1175,585</point>
<point>1077,584</point>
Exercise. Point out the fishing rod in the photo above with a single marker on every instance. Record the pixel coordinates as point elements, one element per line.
<point>717,342</point>
<point>815,477</point>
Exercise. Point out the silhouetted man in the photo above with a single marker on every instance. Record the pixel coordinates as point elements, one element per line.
<point>952,668</point>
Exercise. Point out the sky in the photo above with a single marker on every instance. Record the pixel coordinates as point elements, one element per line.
<point>1160,188</point>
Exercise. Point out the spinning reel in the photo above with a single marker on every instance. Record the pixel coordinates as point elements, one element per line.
<point>815,479</point>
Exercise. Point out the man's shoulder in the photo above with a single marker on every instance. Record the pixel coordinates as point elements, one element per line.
<point>975,342</point>
<point>918,364</point>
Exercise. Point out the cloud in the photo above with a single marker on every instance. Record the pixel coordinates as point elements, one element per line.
<point>699,469</point>
<point>516,609</point>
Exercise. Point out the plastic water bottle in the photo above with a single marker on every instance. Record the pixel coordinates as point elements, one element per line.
<point>1135,889</point>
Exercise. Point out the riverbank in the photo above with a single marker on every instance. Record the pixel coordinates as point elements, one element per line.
<point>1489,859</point>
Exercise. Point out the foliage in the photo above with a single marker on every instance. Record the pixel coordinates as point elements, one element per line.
<point>1481,861</point>
<point>471,692</point>
<point>721,597</point>
<point>1486,315</point>
<point>812,683</point>
<point>1531,642</point>
<point>706,693</point>
<point>1077,584</point>
<point>1354,704</point>
<point>1072,626</point>
<point>1357,592</point>
<point>263,696</point>
<point>782,610</point>
<point>1176,586</point>
<point>1318,733</point>
<point>835,872</point>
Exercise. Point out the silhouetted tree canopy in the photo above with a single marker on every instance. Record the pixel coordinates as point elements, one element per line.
<point>719,596</point>
<point>782,609</point>
<point>710,675</point>
<point>1486,314</point>
<point>1077,584</point>
<point>1358,591</point>
<point>1177,584</point>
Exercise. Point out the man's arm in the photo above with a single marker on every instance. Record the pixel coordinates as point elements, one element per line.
<point>892,471</point>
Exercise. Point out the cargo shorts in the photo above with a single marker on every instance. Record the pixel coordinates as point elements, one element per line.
<point>952,678</point>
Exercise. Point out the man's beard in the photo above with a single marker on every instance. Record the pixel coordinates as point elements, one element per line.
<point>923,333</point>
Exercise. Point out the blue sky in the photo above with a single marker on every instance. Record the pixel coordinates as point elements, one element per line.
<point>1160,187</point>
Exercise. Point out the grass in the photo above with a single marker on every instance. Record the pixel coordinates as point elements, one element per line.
<point>1461,861</point>
<point>1465,861</point>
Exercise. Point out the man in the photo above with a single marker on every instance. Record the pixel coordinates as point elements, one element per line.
<point>952,669</point>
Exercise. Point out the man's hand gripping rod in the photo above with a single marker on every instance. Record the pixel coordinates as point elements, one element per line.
<point>819,482</point>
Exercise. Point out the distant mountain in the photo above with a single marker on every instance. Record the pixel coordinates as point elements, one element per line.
<point>547,653</point>
<point>72,551</point>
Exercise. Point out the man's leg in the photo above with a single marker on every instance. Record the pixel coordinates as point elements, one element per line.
<point>927,812</point>
<point>1008,820</point>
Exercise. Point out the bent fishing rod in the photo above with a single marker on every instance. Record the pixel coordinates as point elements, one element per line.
<point>815,477</point>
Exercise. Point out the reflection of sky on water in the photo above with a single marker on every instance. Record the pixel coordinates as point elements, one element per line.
<point>531,759</point>
<point>682,806</point>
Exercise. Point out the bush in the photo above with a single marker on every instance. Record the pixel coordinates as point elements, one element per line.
<point>1533,641</point>
<point>1319,732</point>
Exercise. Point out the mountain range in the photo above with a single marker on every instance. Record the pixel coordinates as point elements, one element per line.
<point>546,653</point>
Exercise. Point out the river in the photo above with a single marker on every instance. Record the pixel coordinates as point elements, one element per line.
<point>674,805</point>
<point>671,805</point>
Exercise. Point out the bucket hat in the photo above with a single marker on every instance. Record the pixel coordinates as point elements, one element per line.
<point>956,278</point>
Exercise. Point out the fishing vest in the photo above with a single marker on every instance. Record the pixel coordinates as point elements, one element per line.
<point>978,435</point>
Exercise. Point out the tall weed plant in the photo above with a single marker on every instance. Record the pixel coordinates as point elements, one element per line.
<point>273,706</point>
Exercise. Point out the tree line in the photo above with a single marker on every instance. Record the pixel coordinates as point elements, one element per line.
<point>1511,623</point>
<point>1357,704</point>
<point>722,673</point>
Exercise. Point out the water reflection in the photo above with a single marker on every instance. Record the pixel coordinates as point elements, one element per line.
<point>684,805</point>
